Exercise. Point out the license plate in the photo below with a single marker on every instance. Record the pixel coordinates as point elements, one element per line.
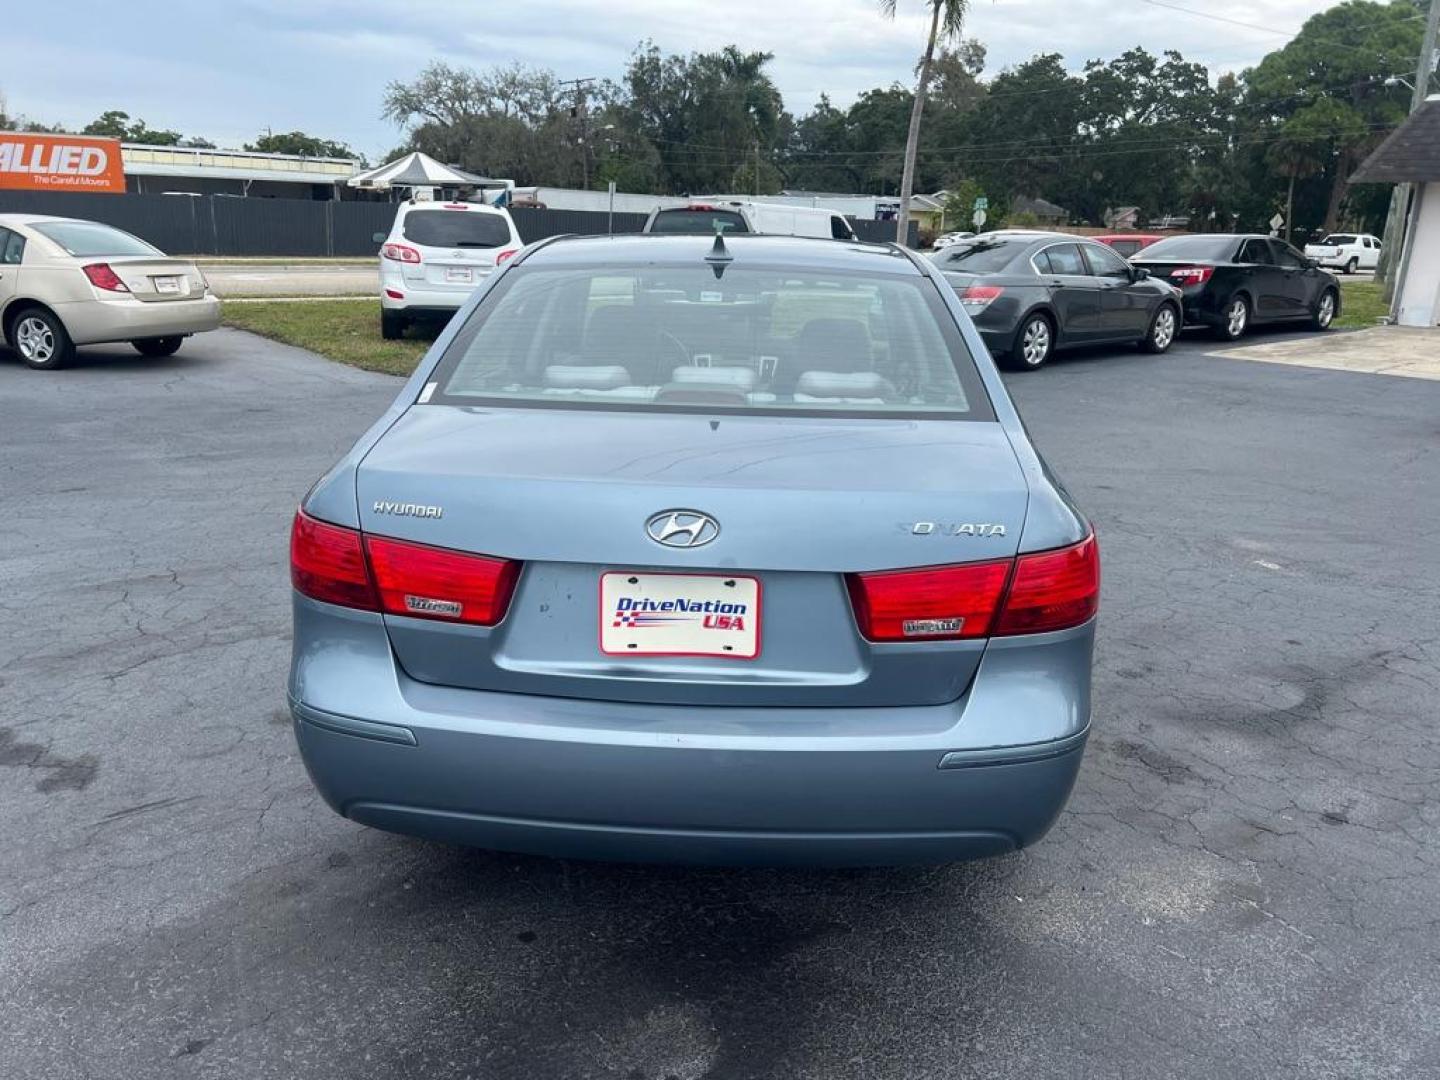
<point>679,615</point>
<point>166,284</point>
<point>457,273</point>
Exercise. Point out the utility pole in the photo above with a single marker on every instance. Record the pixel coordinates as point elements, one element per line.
<point>580,114</point>
<point>757,168</point>
<point>1395,221</point>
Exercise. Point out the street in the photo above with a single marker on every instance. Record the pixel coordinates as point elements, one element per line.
<point>1243,885</point>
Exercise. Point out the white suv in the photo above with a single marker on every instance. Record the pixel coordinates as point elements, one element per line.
<point>1346,251</point>
<point>435,255</point>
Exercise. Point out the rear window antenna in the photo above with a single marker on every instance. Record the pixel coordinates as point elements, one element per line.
<point>719,257</point>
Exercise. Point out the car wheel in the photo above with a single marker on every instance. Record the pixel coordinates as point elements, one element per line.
<point>158,346</point>
<point>1235,320</point>
<point>1163,328</point>
<point>40,339</point>
<point>1324,313</point>
<point>1352,265</point>
<point>392,326</point>
<point>1034,342</point>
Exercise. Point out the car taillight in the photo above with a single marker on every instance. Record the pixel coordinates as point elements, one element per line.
<point>932,602</point>
<point>978,296</point>
<point>102,277</point>
<point>1053,590</point>
<point>327,563</point>
<point>508,253</point>
<point>1049,590</point>
<point>400,253</point>
<point>375,573</point>
<point>436,583</point>
<point>1192,275</point>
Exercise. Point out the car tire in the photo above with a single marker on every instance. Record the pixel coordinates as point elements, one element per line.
<point>1234,320</point>
<point>1352,265</point>
<point>1034,344</point>
<point>392,326</point>
<point>1325,308</point>
<point>41,339</point>
<point>158,346</point>
<point>1164,326</point>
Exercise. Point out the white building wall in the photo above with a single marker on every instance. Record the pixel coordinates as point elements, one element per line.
<point>1420,293</point>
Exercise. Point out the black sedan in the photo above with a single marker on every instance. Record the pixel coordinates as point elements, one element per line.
<point>1031,293</point>
<point>1231,281</point>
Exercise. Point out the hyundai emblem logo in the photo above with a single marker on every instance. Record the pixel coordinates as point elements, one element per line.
<point>682,528</point>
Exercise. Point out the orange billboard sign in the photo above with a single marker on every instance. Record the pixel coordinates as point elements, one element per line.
<point>32,162</point>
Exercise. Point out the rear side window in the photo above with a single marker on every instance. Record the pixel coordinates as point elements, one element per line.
<point>840,228</point>
<point>456,228</point>
<point>85,239</point>
<point>980,255</point>
<point>12,248</point>
<point>698,222</point>
<point>675,339</point>
<point>1062,259</point>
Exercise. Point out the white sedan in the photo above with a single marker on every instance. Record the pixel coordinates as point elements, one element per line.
<point>66,282</point>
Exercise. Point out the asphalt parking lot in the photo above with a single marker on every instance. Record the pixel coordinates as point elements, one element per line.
<point>1244,884</point>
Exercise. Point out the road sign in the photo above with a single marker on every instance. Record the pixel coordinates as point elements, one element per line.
<point>1276,222</point>
<point>978,218</point>
<point>982,203</point>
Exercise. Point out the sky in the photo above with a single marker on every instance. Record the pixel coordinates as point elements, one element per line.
<point>227,71</point>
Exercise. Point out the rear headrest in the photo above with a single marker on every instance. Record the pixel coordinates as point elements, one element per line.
<point>731,378</point>
<point>586,376</point>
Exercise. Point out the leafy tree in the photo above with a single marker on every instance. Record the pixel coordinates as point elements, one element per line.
<point>1340,57</point>
<point>946,19</point>
<point>116,124</point>
<point>297,142</point>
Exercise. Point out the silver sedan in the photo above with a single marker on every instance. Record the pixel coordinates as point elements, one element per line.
<point>66,282</point>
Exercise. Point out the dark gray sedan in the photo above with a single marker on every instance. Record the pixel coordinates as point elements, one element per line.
<point>1030,293</point>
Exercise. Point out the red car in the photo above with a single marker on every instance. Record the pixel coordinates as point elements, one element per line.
<point>1128,244</point>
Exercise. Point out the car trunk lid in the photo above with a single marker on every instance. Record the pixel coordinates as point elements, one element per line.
<point>799,502</point>
<point>158,279</point>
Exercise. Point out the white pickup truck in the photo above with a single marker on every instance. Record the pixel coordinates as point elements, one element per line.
<point>1346,251</point>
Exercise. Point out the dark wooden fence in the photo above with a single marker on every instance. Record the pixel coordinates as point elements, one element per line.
<point>300,228</point>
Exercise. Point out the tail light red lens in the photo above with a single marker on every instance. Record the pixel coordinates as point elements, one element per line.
<point>1192,275</point>
<point>977,296</point>
<point>937,602</point>
<point>1049,590</point>
<point>327,563</point>
<point>436,583</point>
<point>400,253</point>
<point>506,255</point>
<point>102,277</point>
<point>375,573</point>
<point>1053,590</point>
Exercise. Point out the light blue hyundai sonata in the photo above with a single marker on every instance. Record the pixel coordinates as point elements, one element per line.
<point>672,550</point>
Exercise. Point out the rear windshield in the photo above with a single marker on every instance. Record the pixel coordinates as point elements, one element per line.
<point>675,339</point>
<point>456,228</point>
<point>1215,248</point>
<point>1337,241</point>
<point>980,255</point>
<point>1125,247</point>
<point>701,222</point>
<point>85,239</point>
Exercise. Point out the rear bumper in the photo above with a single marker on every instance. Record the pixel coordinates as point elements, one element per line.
<point>677,804</point>
<point>578,777</point>
<point>90,322</point>
<point>417,299</point>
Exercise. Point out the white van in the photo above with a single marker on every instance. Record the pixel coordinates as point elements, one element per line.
<point>778,219</point>
<point>434,256</point>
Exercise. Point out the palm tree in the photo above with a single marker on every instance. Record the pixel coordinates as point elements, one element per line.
<point>946,18</point>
